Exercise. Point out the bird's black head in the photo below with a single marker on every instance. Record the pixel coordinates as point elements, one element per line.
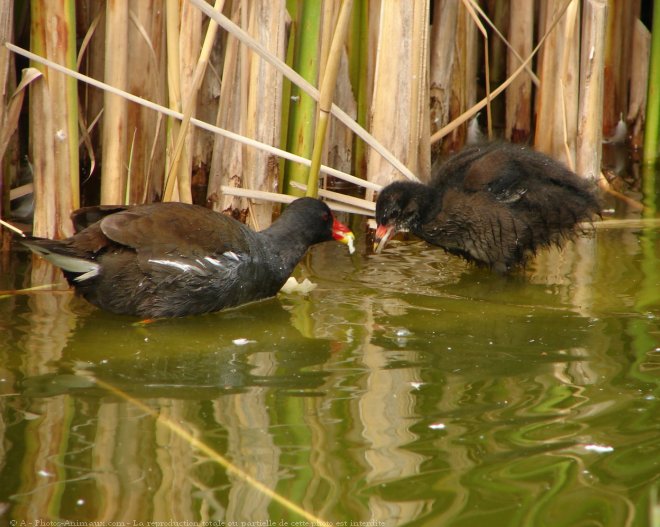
<point>315,219</point>
<point>400,207</point>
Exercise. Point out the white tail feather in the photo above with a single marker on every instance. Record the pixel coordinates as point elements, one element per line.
<point>68,263</point>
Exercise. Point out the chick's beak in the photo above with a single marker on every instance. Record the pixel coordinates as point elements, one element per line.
<point>383,234</point>
<point>343,234</point>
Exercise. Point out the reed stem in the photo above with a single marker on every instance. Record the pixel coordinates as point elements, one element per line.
<point>326,94</point>
<point>652,130</point>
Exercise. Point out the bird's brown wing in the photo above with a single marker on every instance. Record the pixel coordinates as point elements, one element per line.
<point>178,227</point>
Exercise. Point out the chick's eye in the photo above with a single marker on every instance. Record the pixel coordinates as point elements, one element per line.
<point>392,215</point>
<point>385,215</point>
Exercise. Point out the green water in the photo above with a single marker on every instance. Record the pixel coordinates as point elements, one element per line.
<point>407,389</point>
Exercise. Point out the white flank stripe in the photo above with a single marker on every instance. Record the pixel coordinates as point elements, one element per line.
<point>179,265</point>
<point>213,261</point>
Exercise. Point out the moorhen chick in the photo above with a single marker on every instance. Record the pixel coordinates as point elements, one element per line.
<point>494,204</point>
<point>174,259</point>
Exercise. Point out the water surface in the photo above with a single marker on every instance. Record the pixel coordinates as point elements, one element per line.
<point>408,388</point>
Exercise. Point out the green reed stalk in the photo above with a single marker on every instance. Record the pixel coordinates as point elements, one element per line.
<point>358,50</point>
<point>303,108</point>
<point>326,94</point>
<point>652,128</point>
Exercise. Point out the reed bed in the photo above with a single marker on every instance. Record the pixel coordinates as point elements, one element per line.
<point>239,105</point>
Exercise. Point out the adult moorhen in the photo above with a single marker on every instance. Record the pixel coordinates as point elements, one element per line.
<point>494,204</point>
<point>174,259</point>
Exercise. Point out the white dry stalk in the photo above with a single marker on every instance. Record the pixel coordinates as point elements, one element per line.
<point>197,122</point>
<point>304,85</point>
<point>590,130</point>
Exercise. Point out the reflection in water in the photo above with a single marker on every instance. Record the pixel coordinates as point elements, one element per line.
<point>249,445</point>
<point>387,410</point>
<point>49,318</point>
<point>408,388</point>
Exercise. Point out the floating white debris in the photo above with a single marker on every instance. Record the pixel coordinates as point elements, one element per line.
<point>351,244</point>
<point>437,426</point>
<point>599,449</point>
<point>242,342</point>
<point>416,385</point>
<point>292,286</point>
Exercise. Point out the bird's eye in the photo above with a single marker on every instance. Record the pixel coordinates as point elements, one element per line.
<point>392,215</point>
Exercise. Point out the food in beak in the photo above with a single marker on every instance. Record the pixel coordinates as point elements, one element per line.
<point>343,234</point>
<point>383,234</point>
